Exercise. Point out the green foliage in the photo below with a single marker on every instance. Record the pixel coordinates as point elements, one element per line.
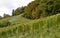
<point>6,15</point>
<point>48,27</point>
<point>42,8</point>
<point>30,8</point>
<point>0,17</point>
<point>25,15</point>
<point>4,23</point>
<point>18,11</point>
<point>36,13</point>
<point>50,6</point>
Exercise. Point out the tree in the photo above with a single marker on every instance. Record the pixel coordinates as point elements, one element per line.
<point>18,11</point>
<point>42,8</point>
<point>49,7</point>
<point>36,13</point>
<point>0,17</point>
<point>53,7</point>
<point>13,12</point>
<point>6,15</point>
<point>30,7</point>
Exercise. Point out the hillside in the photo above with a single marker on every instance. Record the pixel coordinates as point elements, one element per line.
<point>15,20</point>
<point>41,28</point>
<point>39,19</point>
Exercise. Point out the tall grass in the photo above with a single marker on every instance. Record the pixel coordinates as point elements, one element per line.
<point>48,27</point>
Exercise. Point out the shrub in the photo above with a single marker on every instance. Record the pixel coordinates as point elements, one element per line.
<point>4,23</point>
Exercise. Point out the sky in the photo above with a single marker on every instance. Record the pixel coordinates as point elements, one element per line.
<point>6,6</point>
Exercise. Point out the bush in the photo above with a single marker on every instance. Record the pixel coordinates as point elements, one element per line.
<point>25,15</point>
<point>4,23</point>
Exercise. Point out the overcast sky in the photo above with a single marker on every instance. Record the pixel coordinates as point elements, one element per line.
<point>6,6</point>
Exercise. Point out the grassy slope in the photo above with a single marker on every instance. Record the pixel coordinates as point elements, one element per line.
<point>48,27</point>
<point>15,22</point>
<point>43,28</point>
<point>16,19</point>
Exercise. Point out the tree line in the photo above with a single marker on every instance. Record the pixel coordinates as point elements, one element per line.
<point>37,9</point>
